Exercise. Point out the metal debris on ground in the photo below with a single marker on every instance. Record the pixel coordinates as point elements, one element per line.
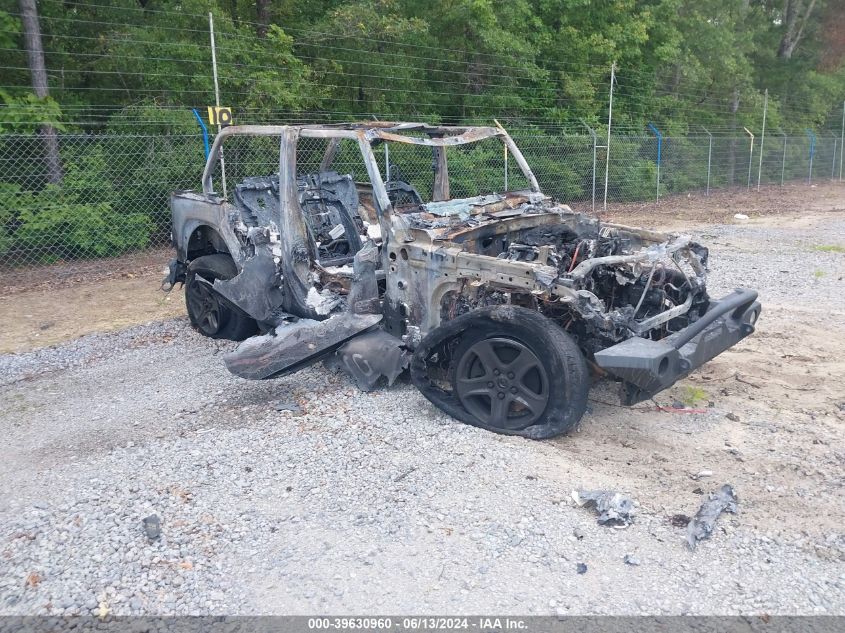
<point>402,476</point>
<point>702,524</point>
<point>371,356</point>
<point>284,405</point>
<point>614,509</point>
<point>631,560</point>
<point>152,527</point>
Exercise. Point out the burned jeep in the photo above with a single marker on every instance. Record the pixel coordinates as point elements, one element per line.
<point>382,247</point>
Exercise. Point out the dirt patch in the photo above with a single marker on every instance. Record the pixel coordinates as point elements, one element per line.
<point>767,405</point>
<point>150,263</point>
<point>51,304</point>
<point>49,315</point>
<point>769,204</point>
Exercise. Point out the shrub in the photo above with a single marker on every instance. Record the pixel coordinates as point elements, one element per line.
<point>9,197</point>
<point>59,224</point>
<point>81,217</point>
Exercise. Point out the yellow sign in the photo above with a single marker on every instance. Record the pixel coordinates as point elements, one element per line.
<point>219,116</point>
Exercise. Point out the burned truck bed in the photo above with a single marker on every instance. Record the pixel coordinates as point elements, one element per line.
<point>501,302</point>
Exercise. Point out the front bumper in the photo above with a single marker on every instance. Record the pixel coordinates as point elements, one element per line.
<point>647,367</point>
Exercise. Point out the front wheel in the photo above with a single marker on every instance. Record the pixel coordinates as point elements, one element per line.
<point>210,313</point>
<point>511,370</point>
<point>501,381</point>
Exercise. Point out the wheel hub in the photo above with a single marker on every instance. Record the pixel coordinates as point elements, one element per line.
<point>502,383</point>
<point>205,307</point>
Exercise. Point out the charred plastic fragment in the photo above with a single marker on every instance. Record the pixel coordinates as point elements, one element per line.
<point>152,527</point>
<point>613,509</point>
<point>371,356</point>
<point>702,524</point>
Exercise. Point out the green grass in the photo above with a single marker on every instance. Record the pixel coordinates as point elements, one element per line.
<point>691,396</point>
<point>818,274</point>
<point>829,248</point>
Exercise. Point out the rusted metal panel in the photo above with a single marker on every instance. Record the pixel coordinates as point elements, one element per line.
<point>471,135</point>
<point>295,345</point>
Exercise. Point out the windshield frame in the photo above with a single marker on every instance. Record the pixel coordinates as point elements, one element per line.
<point>438,137</point>
<point>465,136</point>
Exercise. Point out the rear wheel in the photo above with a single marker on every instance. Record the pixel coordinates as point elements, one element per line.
<point>210,313</point>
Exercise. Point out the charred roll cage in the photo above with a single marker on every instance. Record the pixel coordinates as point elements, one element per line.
<point>497,302</point>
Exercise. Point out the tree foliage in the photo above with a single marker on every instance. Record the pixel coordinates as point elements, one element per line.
<point>138,67</point>
<point>680,62</point>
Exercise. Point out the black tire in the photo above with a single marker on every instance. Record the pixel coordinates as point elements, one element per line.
<point>548,399</point>
<point>210,313</point>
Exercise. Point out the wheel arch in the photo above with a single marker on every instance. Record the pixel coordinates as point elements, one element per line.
<point>198,239</point>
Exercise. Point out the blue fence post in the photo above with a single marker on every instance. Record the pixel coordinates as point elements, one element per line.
<point>204,131</point>
<point>659,154</point>
<point>812,138</point>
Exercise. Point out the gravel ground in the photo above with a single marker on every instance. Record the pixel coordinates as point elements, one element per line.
<point>363,503</point>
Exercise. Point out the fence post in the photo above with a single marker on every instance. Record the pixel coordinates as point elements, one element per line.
<point>593,136</point>
<point>833,162</point>
<point>762,137</point>
<point>204,131</point>
<point>783,160</point>
<point>659,136</point>
<point>750,156</point>
<point>709,156</point>
<point>659,152</point>
<point>609,121</point>
<point>812,138</point>
<point>842,142</point>
<point>216,95</point>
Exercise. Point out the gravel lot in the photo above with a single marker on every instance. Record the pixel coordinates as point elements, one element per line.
<point>364,503</point>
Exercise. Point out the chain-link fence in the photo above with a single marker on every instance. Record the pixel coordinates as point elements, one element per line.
<point>112,198</point>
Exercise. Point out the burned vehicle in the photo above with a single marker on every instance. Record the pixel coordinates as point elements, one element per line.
<point>383,247</point>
